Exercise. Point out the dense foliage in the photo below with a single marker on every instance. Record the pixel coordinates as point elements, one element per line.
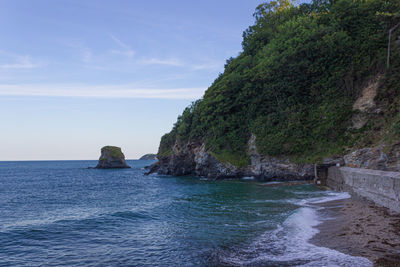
<point>113,151</point>
<point>294,83</point>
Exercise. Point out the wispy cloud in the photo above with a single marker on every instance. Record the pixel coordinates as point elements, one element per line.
<point>125,51</point>
<point>18,61</point>
<point>158,61</point>
<point>85,52</point>
<point>94,91</point>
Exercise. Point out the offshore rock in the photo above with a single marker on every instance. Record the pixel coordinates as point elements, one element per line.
<point>111,158</point>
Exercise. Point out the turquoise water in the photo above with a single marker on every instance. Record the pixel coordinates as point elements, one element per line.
<point>61,213</point>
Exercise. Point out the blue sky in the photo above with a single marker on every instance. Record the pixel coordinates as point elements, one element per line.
<point>78,75</point>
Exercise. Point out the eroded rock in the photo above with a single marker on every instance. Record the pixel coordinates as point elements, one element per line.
<point>367,158</point>
<point>194,159</point>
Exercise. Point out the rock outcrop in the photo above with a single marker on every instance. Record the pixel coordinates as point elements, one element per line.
<point>365,105</point>
<point>194,159</point>
<point>270,168</point>
<point>377,158</point>
<point>149,157</point>
<point>111,158</point>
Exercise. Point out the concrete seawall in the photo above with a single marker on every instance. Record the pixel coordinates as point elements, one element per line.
<point>381,187</point>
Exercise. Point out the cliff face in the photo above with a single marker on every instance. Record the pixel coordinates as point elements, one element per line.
<point>194,159</point>
<point>378,158</point>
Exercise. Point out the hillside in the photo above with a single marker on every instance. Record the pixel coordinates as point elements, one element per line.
<point>311,83</point>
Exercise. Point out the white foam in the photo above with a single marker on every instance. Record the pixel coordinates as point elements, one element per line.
<point>247,178</point>
<point>328,196</point>
<point>273,183</point>
<point>331,197</point>
<point>289,242</point>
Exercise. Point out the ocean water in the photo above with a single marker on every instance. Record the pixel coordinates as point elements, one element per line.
<point>60,213</point>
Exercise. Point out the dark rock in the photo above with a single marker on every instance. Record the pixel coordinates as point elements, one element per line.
<point>267,168</point>
<point>149,157</point>
<point>376,158</point>
<point>194,159</point>
<point>111,158</point>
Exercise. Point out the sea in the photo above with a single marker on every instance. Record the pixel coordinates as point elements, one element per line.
<point>60,213</point>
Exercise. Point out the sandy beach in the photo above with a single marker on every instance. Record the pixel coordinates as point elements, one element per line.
<point>358,227</point>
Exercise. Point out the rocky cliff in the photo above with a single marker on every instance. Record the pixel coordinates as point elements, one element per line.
<point>383,157</point>
<point>194,159</point>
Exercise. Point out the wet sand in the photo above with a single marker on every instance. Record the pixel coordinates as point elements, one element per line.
<point>357,227</point>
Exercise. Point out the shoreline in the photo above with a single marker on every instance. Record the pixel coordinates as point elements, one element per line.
<point>358,227</point>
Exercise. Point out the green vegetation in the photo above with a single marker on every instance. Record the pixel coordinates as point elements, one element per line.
<point>389,96</point>
<point>148,157</point>
<point>114,151</point>
<point>295,82</point>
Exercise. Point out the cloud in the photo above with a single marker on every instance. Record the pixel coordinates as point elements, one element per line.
<point>157,61</point>
<point>18,61</point>
<point>85,52</point>
<point>126,50</point>
<point>94,91</point>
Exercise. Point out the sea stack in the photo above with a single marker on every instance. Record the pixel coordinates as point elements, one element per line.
<point>111,158</point>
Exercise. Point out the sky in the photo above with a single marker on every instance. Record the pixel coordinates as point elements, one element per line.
<point>78,75</point>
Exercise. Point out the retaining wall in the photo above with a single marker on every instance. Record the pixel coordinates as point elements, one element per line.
<point>382,187</point>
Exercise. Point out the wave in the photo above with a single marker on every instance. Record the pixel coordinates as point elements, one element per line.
<point>289,244</point>
<point>330,196</point>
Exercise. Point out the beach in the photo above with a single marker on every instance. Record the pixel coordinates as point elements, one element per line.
<point>357,227</point>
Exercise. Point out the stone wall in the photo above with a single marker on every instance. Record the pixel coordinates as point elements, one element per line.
<point>381,187</point>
